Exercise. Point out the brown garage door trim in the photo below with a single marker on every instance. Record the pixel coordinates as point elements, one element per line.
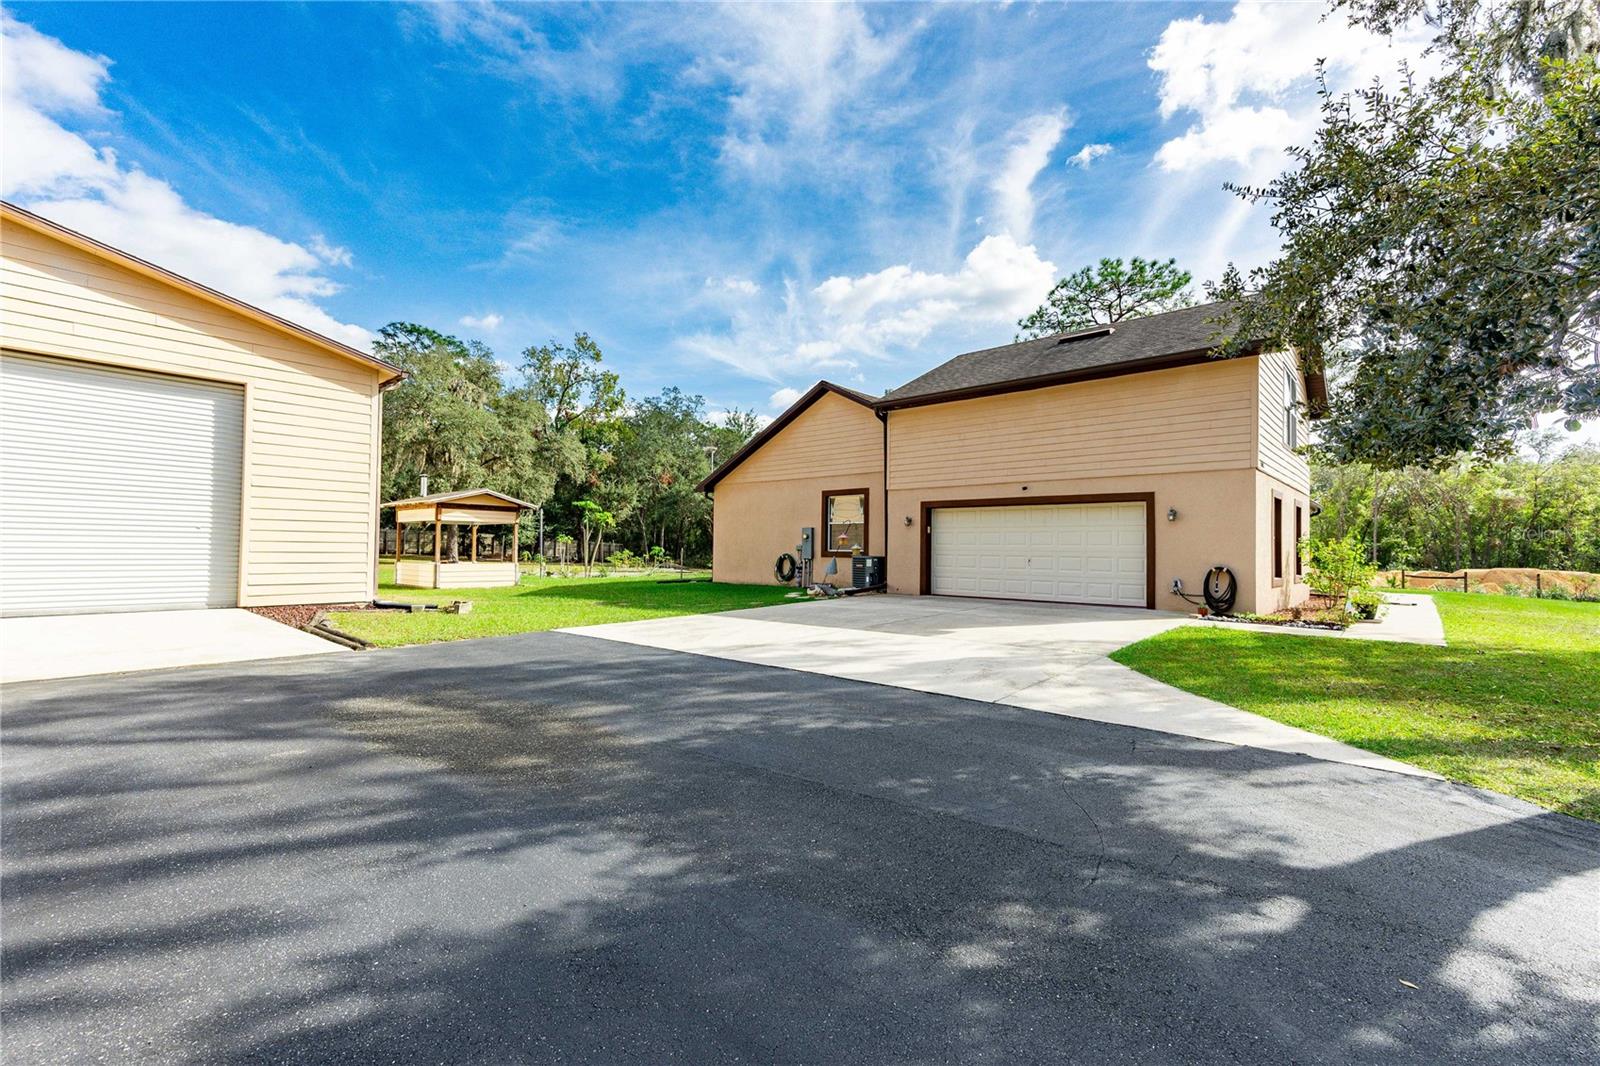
<point>1146,498</point>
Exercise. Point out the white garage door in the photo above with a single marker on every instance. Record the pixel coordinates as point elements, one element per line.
<point>118,490</point>
<point>1077,553</point>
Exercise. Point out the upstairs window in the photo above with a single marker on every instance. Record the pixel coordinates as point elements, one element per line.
<point>844,522</point>
<point>1291,410</point>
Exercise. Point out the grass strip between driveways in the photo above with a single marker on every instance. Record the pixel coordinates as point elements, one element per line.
<point>547,603</point>
<point>1513,704</point>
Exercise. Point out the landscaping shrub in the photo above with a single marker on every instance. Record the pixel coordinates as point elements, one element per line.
<point>1364,602</point>
<point>1337,566</point>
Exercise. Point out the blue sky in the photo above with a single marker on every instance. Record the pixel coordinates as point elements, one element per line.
<point>736,200</point>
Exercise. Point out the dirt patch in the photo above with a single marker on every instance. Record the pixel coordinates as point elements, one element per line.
<point>300,615</point>
<point>1500,578</point>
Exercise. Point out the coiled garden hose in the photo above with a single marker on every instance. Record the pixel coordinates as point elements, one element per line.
<point>1219,589</point>
<point>786,568</point>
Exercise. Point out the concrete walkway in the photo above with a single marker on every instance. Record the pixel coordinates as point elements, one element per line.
<point>1045,657</point>
<point>75,645</point>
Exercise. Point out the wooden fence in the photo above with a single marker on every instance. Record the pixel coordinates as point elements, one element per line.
<point>1461,577</point>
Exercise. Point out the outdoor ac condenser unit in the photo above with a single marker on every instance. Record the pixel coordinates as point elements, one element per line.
<point>866,571</point>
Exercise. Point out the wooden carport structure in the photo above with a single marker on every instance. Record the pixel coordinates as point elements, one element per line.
<point>454,564</point>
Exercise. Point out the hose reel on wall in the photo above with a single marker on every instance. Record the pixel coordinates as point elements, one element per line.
<point>1219,590</point>
<point>786,568</point>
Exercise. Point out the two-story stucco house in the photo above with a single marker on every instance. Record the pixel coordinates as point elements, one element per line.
<point>1090,467</point>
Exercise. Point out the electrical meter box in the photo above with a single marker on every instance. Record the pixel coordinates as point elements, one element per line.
<point>807,535</point>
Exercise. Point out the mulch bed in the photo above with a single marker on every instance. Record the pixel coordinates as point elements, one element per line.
<point>300,615</point>
<point>1315,604</point>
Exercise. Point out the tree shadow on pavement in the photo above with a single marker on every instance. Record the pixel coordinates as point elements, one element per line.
<point>553,849</point>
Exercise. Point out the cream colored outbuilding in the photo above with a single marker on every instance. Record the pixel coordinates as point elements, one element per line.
<point>163,445</point>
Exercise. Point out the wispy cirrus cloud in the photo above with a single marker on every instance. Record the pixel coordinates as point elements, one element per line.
<point>1031,143</point>
<point>1086,155</point>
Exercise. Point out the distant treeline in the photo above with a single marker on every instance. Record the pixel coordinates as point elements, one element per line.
<point>555,429</point>
<point>1540,511</point>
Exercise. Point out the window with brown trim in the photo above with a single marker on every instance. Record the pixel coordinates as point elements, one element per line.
<point>1277,537</point>
<point>844,522</point>
<point>1299,535</point>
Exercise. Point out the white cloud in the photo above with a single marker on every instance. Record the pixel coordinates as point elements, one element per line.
<point>511,46</point>
<point>836,325</point>
<point>487,323</point>
<point>332,254</point>
<point>742,286</point>
<point>1249,82</point>
<point>1088,154</point>
<point>1032,141</point>
<point>795,74</point>
<point>783,398</point>
<point>60,174</point>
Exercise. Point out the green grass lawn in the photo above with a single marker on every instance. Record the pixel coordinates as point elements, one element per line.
<point>1513,703</point>
<point>545,603</point>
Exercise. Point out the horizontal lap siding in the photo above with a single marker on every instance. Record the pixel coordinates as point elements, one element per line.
<point>1188,419</point>
<point>312,425</point>
<point>833,434</point>
<point>1276,458</point>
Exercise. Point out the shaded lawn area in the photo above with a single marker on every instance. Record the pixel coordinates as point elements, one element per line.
<point>546,603</point>
<point>1513,703</point>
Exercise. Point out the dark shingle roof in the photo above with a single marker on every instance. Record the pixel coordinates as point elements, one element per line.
<point>1186,332</point>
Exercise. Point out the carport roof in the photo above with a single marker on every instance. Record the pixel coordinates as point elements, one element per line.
<point>446,497</point>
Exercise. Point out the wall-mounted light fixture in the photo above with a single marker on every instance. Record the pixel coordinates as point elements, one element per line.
<point>908,520</point>
<point>1172,514</point>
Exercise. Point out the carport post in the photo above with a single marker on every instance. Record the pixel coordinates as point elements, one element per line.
<point>474,542</point>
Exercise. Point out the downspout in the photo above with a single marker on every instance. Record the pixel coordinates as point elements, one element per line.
<point>883,416</point>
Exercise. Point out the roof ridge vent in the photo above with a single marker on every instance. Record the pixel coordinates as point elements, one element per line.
<point>1085,334</point>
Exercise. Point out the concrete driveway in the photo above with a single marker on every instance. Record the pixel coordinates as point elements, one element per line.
<point>558,849</point>
<point>1043,656</point>
<point>75,645</point>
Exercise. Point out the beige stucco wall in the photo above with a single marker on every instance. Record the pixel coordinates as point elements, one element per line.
<point>1192,436</point>
<point>1271,595</point>
<point>835,444</point>
<point>312,418</point>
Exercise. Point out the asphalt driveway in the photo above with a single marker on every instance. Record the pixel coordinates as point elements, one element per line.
<point>1044,656</point>
<point>557,849</point>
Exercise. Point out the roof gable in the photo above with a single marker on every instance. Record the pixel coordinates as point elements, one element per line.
<point>18,216</point>
<point>466,496</point>
<point>776,426</point>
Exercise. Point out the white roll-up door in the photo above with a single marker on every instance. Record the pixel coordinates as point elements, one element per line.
<point>1074,553</point>
<point>119,490</point>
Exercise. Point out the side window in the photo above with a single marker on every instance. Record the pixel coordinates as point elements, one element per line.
<point>1277,537</point>
<point>1299,535</point>
<point>1291,410</point>
<point>844,522</point>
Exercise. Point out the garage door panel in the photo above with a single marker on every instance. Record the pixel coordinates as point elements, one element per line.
<point>121,489</point>
<point>1087,553</point>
